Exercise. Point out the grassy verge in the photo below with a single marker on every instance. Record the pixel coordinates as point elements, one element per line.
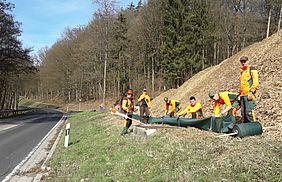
<point>33,104</point>
<point>99,153</point>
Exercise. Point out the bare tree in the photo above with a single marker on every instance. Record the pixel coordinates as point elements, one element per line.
<point>106,11</point>
<point>268,22</point>
<point>280,18</point>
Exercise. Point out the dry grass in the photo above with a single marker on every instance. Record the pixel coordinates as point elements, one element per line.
<point>266,56</point>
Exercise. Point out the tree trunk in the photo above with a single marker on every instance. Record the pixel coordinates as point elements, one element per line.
<point>69,93</point>
<point>100,90</point>
<point>214,53</point>
<point>228,49</point>
<point>153,77</point>
<point>10,100</point>
<point>148,75</point>
<point>118,85</point>
<point>105,77</point>
<point>268,23</point>
<point>76,93</point>
<point>16,101</point>
<point>144,66</point>
<point>4,98</point>
<point>218,54</point>
<point>203,58</point>
<point>280,19</point>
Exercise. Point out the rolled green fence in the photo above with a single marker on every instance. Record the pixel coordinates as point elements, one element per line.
<point>247,129</point>
<point>224,124</point>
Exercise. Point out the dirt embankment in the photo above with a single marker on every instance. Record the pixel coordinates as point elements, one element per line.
<point>266,56</point>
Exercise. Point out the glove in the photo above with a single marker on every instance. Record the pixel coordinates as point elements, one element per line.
<point>253,91</point>
<point>235,110</point>
<point>251,96</point>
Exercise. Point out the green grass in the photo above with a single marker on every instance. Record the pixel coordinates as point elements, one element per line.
<point>99,153</point>
<point>34,104</point>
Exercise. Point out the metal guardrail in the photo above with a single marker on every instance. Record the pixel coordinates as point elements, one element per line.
<point>9,113</point>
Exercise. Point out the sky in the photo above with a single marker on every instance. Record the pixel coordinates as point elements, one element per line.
<point>43,21</point>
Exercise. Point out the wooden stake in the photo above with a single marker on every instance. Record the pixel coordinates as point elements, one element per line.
<point>228,134</point>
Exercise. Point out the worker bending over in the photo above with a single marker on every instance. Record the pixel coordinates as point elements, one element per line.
<point>230,99</point>
<point>175,107</point>
<point>195,109</point>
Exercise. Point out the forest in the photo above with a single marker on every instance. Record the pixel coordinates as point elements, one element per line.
<point>157,44</point>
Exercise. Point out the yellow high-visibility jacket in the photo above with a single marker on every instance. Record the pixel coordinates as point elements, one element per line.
<point>127,105</point>
<point>226,98</point>
<point>248,80</point>
<point>174,104</point>
<point>145,100</point>
<point>197,109</point>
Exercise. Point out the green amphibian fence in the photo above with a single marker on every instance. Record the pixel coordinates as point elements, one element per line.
<point>225,124</point>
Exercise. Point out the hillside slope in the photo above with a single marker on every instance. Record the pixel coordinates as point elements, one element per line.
<point>266,56</point>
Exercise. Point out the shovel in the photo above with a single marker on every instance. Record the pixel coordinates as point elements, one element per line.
<point>149,109</point>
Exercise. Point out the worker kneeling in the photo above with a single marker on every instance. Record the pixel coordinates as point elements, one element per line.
<point>127,108</point>
<point>195,109</point>
<point>175,107</point>
<point>230,99</point>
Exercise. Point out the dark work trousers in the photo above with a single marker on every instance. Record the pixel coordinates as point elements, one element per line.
<point>144,114</point>
<point>128,121</point>
<point>247,110</point>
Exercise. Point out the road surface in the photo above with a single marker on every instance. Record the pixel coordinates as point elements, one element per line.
<point>19,135</point>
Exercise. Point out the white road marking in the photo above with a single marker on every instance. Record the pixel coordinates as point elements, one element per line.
<point>7,126</point>
<point>8,177</point>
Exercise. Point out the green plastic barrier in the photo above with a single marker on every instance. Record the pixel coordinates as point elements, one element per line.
<point>247,129</point>
<point>218,124</point>
<point>224,124</point>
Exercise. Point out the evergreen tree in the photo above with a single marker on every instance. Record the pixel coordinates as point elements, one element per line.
<point>183,39</point>
<point>119,50</point>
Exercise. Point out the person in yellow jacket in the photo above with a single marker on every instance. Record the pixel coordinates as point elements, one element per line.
<point>195,109</point>
<point>249,85</point>
<point>175,106</point>
<point>230,99</point>
<point>145,104</point>
<point>127,108</point>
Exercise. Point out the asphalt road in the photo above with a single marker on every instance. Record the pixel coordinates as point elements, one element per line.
<point>19,135</point>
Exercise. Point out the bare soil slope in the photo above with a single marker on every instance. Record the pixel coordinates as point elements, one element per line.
<point>266,56</point>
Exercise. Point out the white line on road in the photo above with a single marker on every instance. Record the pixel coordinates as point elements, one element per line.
<point>7,126</point>
<point>8,177</point>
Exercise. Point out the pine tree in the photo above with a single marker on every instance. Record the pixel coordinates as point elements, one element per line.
<point>183,39</point>
<point>119,50</point>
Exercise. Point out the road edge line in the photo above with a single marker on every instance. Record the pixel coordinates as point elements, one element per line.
<point>10,175</point>
<point>43,166</point>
